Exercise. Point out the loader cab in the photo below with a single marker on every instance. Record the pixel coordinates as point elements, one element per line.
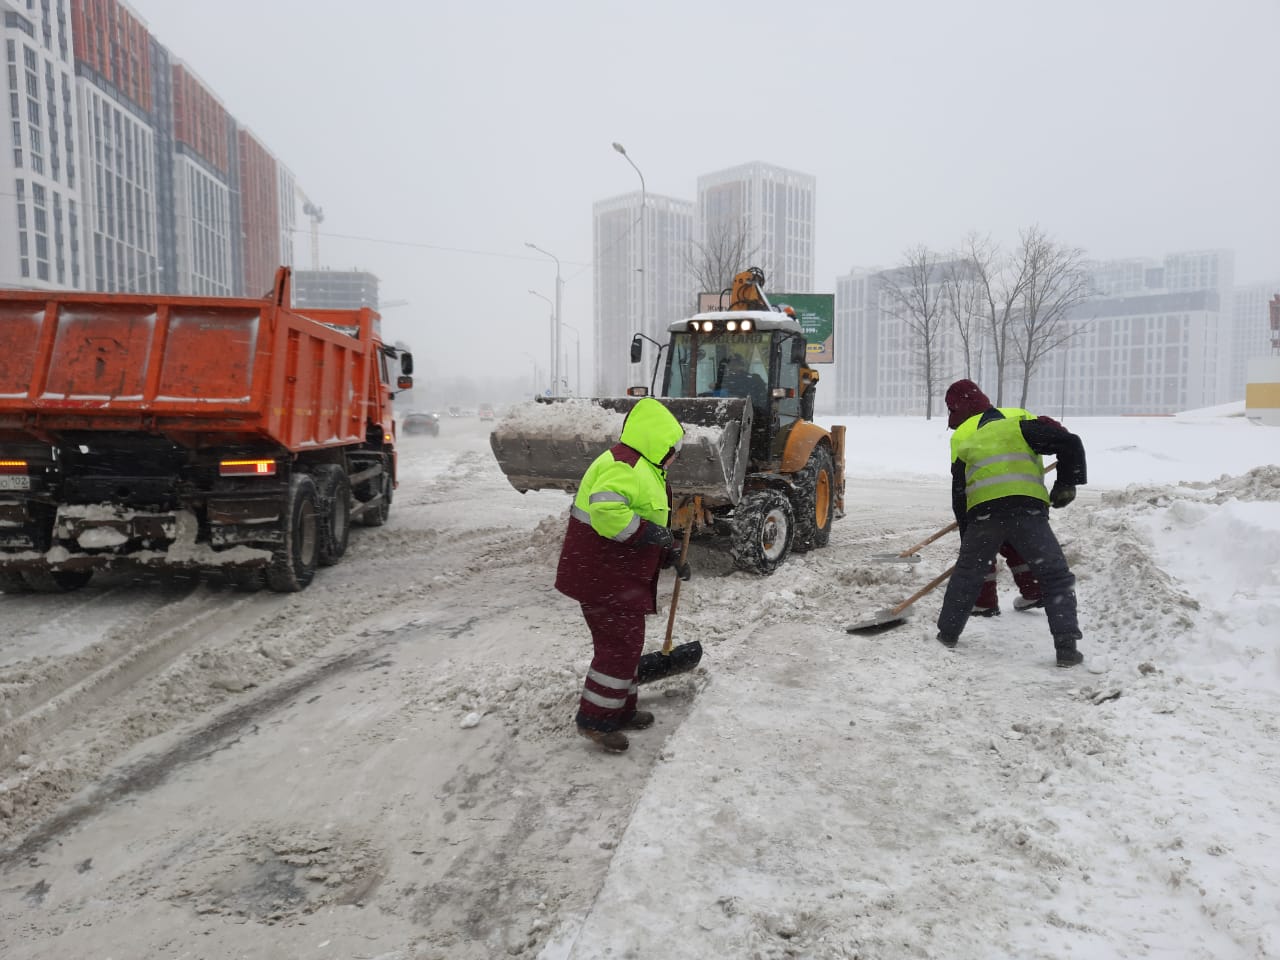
<point>752,354</point>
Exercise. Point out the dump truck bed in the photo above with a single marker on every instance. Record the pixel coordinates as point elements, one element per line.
<point>198,371</point>
<point>548,446</point>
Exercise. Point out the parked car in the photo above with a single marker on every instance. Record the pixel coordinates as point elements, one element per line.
<point>486,411</point>
<point>421,423</point>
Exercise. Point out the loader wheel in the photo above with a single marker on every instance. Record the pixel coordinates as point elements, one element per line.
<point>763,528</point>
<point>335,512</point>
<point>56,581</point>
<point>815,501</point>
<point>294,564</point>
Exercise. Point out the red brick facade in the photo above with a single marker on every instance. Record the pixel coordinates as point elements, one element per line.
<point>199,121</point>
<point>259,214</point>
<point>114,42</point>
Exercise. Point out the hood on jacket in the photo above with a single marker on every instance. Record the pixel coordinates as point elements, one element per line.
<point>651,430</point>
<point>965,399</point>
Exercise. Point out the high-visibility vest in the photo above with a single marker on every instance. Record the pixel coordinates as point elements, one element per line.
<point>965,430</point>
<point>1000,463</point>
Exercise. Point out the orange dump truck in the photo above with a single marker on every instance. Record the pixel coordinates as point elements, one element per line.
<point>232,434</point>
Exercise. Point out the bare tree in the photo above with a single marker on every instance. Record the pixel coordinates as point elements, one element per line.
<point>963,301</point>
<point>1000,287</point>
<point>1055,283</point>
<point>914,294</point>
<point>726,252</point>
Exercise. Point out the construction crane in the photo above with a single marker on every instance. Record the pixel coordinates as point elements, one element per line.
<point>316,214</point>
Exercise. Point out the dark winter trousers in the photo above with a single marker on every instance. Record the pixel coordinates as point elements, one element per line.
<point>609,693</point>
<point>1026,528</point>
<point>1028,586</point>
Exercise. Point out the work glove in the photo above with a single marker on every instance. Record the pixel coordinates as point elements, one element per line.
<point>657,535</point>
<point>1061,494</point>
<point>683,570</point>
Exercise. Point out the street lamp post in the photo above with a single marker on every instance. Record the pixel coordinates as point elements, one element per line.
<point>551,325</point>
<point>577,350</point>
<point>555,338</point>
<point>644,240</point>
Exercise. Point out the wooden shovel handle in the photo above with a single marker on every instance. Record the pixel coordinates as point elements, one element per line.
<point>932,584</point>
<point>675,594</point>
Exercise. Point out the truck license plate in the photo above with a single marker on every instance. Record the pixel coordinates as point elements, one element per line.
<point>15,483</point>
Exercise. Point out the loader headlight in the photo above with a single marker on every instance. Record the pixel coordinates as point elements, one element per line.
<point>731,326</point>
<point>746,325</point>
<point>707,326</point>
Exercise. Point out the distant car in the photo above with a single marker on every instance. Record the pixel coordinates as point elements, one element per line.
<point>455,411</point>
<point>421,423</point>
<point>486,411</point>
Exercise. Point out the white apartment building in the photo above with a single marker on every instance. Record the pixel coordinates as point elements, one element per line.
<point>641,282</point>
<point>39,189</point>
<point>1157,339</point>
<point>119,173</point>
<point>774,207</point>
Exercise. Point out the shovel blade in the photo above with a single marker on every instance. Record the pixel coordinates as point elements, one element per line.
<point>884,620</point>
<point>895,558</point>
<point>681,659</point>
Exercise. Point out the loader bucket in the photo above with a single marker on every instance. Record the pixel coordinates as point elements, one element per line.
<point>549,445</point>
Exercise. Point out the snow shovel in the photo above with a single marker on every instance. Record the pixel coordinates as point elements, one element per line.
<point>672,660</point>
<point>892,616</point>
<point>909,555</point>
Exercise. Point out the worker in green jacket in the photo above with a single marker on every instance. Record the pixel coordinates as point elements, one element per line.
<point>998,470</point>
<point>616,542</point>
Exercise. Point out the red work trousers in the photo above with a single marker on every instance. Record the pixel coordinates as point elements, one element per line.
<point>609,692</point>
<point>1028,586</point>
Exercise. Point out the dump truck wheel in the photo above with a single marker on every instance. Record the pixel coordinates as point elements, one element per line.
<point>815,504</point>
<point>335,512</point>
<point>11,582</point>
<point>56,581</point>
<point>763,529</point>
<point>378,515</point>
<point>294,564</point>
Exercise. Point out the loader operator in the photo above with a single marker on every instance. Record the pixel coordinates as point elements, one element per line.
<point>616,543</point>
<point>998,495</point>
<point>738,381</point>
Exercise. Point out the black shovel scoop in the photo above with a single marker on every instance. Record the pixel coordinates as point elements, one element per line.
<point>672,660</point>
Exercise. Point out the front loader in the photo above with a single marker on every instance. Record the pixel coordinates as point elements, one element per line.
<point>755,470</point>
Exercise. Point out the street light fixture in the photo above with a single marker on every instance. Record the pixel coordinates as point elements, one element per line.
<point>644,242</point>
<point>551,317</point>
<point>555,333</point>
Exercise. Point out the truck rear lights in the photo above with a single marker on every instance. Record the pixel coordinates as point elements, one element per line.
<point>247,468</point>
<point>13,467</point>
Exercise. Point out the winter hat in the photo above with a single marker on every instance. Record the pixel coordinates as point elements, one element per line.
<point>965,399</point>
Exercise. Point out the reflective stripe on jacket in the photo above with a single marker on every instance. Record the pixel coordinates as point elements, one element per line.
<point>1000,463</point>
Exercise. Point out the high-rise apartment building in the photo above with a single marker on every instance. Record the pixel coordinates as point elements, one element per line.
<point>1251,330</point>
<point>334,289</point>
<point>772,210</point>
<point>40,189</point>
<point>642,281</point>
<point>122,169</point>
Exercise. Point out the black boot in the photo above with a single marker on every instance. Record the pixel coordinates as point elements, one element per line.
<point>1068,655</point>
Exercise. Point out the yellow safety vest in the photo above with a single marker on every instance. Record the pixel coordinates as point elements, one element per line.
<point>999,462</point>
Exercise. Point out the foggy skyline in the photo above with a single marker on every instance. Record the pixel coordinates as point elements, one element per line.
<point>446,136</point>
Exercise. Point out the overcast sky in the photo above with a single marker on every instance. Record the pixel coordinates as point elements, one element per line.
<point>448,133</point>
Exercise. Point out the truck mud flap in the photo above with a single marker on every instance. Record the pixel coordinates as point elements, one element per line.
<point>548,446</point>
